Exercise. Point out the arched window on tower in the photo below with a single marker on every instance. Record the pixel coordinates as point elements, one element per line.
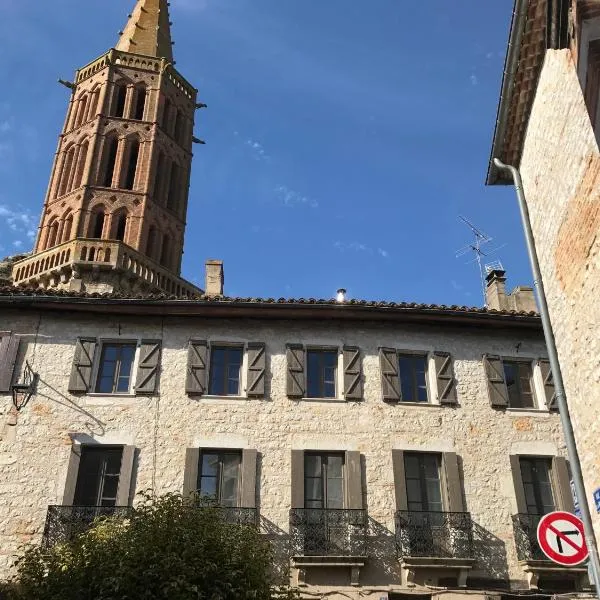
<point>111,146</point>
<point>119,225</point>
<point>67,227</point>
<point>159,177</point>
<point>165,253</point>
<point>65,173</point>
<point>151,242</point>
<point>166,116</point>
<point>174,187</point>
<point>119,98</point>
<point>82,109</point>
<point>95,99</point>
<point>140,102</point>
<point>83,151</point>
<point>133,153</point>
<point>97,222</point>
<point>52,237</point>
<point>179,120</point>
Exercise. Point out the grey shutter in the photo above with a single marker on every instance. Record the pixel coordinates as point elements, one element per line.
<point>295,370</point>
<point>72,473</point>
<point>148,368</point>
<point>494,371</point>
<point>352,373</point>
<point>125,474</point>
<point>562,485</point>
<point>9,346</point>
<point>190,474</point>
<point>444,374</point>
<point>515,465</point>
<point>390,380</point>
<point>248,491</point>
<point>83,362</point>
<point>256,370</point>
<point>196,379</point>
<point>549,391</point>
<point>453,484</point>
<point>399,480</point>
<point>297,479</point>
<point>353,480</point>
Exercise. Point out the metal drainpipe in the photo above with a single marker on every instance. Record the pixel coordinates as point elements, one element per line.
<point>561,396</point>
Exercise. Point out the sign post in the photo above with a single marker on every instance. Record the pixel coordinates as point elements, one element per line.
<point>561,538</point>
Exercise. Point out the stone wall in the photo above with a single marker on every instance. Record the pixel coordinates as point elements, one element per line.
<point>34,453</point>
<point>561,176</point>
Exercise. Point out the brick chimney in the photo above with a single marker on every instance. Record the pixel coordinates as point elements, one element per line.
<point>521,299</point>
<point>215,278</point>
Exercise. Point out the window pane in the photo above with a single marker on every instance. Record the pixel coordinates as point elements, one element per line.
<point>127,356</point>
<point>208,486</point>
<point>106,377</point>
<point>335,493</point>
<point>406,378</point>
<point>234,363</point>
<point>413,490</point>
<point>335,466</point>
<point>321,373</point>
<point>434,494</point>
<point>411,465</point>
<point>229,484</point>
<point>313,374</point>
<point>109,492</point>
<point>312,465</point>
<point>432,466</point>
<point>210,464</point>
<point>313,488</point>
<point>421,369</point>
<point>217,372</point>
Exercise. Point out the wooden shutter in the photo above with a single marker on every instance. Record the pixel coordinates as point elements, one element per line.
<point>148,367</point>
<point>515,465</point>
<point>83,362</point>
<point>454,492</point>
<point>248,490</point>
<point>125,476</point>
<point>297,479</point>
<point>446,382</point>
<point>494,371</point>
<point>548,379</point>
<point>562,485</point>
<point>190,474</point>
<point>399,480</point>
<point>72,473</point>
<point>295,371</point>
<point>9,347</point>
<point>353,473</point>
<point>390,380</point>
<point>196,379</point>
<point>256,370</point>
<point>352,373</point>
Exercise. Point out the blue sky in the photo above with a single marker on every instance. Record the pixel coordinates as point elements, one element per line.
<point>343,137</point>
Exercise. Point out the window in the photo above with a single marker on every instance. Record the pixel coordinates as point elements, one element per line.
<point>323,480</point>
<point>140,102</point>
<point>120,95</point>
<point>219,476</point>
<point>115,369</point>
<point>97,223</point>
<point>112,145</point>
<point>225,368</point>
<point>412,370</point>
<point>151,242</point>
<point>321,373</point>
<point>423,489</point>
<point>121,226</point>
<point>165,252</point>
<point>52,234</point>
<point>537,484</point>
<point>134,152</point>
<point>173,187</point>
<point>518,378</point>
<point>98,476</point>
<point>80,164</point>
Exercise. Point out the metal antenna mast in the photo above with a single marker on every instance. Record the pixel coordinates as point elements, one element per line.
<point>480,240</point>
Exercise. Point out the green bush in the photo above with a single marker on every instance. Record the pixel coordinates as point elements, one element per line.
<point>168,548</point>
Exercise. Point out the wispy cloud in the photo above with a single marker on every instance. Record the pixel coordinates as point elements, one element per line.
<point>21,222</point>
<point>360,247</point>
<point>291,198</point>
<point>258,149</point>
<point>473,79</point>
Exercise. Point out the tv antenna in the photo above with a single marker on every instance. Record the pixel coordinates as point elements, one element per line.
<point>480,240</point>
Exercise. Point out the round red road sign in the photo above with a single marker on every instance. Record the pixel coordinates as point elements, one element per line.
<point>561,538</point>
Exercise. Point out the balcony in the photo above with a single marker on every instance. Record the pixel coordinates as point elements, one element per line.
<point>322,537</point>
<point>63,523</point>
<point>235,515</point>
<point>534,562</point>
<point>64,266</point>
<point>441,542</point>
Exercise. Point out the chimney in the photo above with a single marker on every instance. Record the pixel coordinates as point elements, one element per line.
<point>215,278</point>
<point>522,299</point>
<point>495,291</point>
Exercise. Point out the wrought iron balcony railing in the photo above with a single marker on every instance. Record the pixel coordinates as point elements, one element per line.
<point>525,528</point>
<point>328,532</point>
<point>238,516</point>
<point>63,523</point>
<point>434,534</point>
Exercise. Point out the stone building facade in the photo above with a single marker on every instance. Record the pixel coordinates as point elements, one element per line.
<point>548,127</point>
<point>428,446</point>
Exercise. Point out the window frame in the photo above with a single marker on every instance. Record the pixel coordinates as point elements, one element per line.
<point>423,480</point>
<point>101,344</point>
<point>324,456</point>
<point>551,480</point>
<point>427,357</point>
<point>338,368</point>
<point>220,453</point>
<point>100,448</point>
<point>226,347</point>
<point>243,380</point>
<point>533,381</point>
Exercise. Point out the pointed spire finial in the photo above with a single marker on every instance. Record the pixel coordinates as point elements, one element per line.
<point>148,30</point>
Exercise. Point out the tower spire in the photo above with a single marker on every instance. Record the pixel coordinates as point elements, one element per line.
<point>148,30</point>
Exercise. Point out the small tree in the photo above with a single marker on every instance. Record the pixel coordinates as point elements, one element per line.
<point>168,548</point>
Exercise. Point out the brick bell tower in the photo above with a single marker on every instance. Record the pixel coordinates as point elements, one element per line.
<point>115,211</point>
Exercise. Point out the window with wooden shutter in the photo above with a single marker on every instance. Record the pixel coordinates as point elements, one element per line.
<point>148,371</point>
<point>83,362</point>
<point>548,382</point>
<point>352,373</point>
<point>256,370</point>
<point>196,379</point>
<point>390,380</point>
<point>454,491</point>
<point>353,473</point>
<point>561,479</point>
<point>295,371</point>
<point>494,370</point>
<point>446,382</point>
<point>9,347</point>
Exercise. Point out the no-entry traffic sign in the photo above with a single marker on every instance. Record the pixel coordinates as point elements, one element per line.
<point>560,536</point>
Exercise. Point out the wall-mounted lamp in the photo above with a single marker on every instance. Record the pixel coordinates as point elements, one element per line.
<point>22,391</point>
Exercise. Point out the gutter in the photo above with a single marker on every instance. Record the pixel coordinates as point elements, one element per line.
<point>511,64</point>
